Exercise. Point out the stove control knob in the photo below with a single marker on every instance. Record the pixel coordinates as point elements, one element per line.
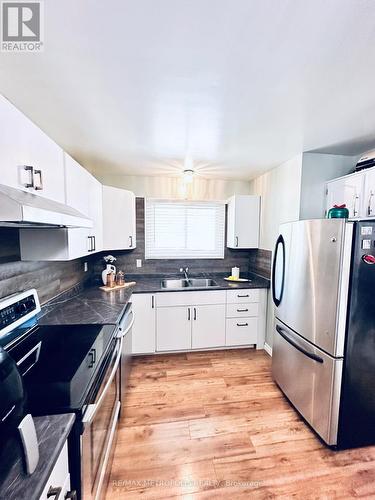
<point>368,259</point>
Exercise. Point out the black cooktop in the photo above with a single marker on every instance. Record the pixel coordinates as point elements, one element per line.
<point>69,359</point>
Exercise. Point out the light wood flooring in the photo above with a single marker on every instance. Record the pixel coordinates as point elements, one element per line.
<point>214,425</point>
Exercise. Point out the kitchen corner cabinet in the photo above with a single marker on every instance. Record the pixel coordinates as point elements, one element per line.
<point>348,190</point>
<point>119,229</point>
<point>30,160</point>
<point>144,327</point>
<point>243,221</point>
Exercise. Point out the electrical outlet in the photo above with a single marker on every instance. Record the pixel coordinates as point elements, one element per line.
<point>139,262</point>
<point>85,267</point>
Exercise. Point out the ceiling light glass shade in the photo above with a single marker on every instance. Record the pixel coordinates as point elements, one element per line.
<point>188,176</point>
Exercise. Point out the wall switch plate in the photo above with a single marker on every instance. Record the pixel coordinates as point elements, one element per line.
<point>85,267</point>
<point>139,262</point>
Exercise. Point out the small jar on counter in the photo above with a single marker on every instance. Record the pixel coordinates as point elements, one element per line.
<point>111,280</point>
<point>120,278</point>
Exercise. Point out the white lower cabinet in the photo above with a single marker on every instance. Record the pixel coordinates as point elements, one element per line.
<point>241,331</point>
<point>58,484</point>
<point>173,328</point>
<point>208,326</point>
<point>184,321</point>
<point>144,327</point>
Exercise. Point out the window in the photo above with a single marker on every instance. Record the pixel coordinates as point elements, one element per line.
<point>184,230</point>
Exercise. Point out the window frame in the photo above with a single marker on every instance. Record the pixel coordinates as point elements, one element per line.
<point>220,224</point>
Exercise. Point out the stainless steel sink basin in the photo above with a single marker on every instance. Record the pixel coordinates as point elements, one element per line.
<point>174,283</point>
<point>190,283</point>
<point>202,282</point>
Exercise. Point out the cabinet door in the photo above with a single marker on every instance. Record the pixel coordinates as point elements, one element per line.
<point>243,221</point>
<point>77,180</point>
<point>144,328</point>
<point>118,219</point>
<point>23,144</point>
<point>96,212</point>
<point>47,158</point>
<point>368,205</point>
<point>208,326</point>
<point>173,328</point>
<point>347,190</point>
<point>14,147</point>
<point>80,243</point>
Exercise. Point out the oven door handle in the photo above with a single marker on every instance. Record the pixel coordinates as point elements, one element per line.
<point>120,332</point>
<point>92,409</point>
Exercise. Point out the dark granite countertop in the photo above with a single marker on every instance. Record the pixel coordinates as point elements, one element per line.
<point>52,432</point>
<point>90,306</point>
<point>152,284</point>
<point>94,306</point>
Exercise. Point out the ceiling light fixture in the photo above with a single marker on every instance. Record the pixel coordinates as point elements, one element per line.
<point>188,176</point>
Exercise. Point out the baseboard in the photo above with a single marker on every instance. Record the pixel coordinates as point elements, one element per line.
<point>268,349</point>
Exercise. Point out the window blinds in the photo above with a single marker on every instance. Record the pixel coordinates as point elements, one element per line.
<point>184,230</point>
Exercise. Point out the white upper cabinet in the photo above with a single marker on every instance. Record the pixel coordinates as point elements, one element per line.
<point>348,190</point>
<point>243,221</point>
<point>30,160</point>
<point>368,205</point>
<point>119,231</point>
<point>84,193</point>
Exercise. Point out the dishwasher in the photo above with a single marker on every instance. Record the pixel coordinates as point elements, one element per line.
<point>125,331</point>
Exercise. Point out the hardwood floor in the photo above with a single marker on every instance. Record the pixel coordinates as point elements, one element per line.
<point>213,425</point>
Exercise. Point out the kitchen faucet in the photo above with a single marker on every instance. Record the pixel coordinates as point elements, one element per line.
<point>185,271</point>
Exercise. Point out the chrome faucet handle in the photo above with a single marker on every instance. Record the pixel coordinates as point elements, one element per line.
<point>181,270</point>
<point>186,269</point>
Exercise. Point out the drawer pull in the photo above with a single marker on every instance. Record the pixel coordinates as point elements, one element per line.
<point>243,296</point>
<point>72,495</point>
<point>242,310</point>
<point>242,324</point>
<point>54,492</point>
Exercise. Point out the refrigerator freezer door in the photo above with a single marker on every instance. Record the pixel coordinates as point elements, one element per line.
<point>357,420</point>
<point>310,379</point>
<point>314,272</point>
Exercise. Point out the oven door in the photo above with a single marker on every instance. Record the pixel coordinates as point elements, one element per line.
<point>99,427</point>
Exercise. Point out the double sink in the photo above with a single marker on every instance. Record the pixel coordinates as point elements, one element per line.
<point>174,284</point>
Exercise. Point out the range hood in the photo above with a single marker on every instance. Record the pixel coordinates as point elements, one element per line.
<point>22,209</point>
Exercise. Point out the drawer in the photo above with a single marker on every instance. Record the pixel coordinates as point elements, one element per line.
<point>241,331</point>
<point>242,296</point>
<point>167,299</point>
<point>59,477</point>
<point>242,310</point>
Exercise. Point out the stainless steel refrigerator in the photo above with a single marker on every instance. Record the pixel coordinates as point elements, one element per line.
<point>323,355</point>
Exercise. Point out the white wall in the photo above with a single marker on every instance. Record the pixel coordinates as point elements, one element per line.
<point>317,169</point>
<point>172,187</point>
<point>280,191</point>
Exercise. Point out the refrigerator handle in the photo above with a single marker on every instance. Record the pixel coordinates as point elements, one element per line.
<point>279,243</point>
<point>310,355</point>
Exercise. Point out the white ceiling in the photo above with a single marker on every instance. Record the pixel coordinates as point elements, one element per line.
<point>133,86</point>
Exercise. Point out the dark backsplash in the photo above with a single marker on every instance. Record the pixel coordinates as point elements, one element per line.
<point>126,260</point>
<point>260,262</point>
<point>52,278</point>
<point>49,278</point>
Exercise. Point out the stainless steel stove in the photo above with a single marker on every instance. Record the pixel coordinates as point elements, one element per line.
<point>70,369</point>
